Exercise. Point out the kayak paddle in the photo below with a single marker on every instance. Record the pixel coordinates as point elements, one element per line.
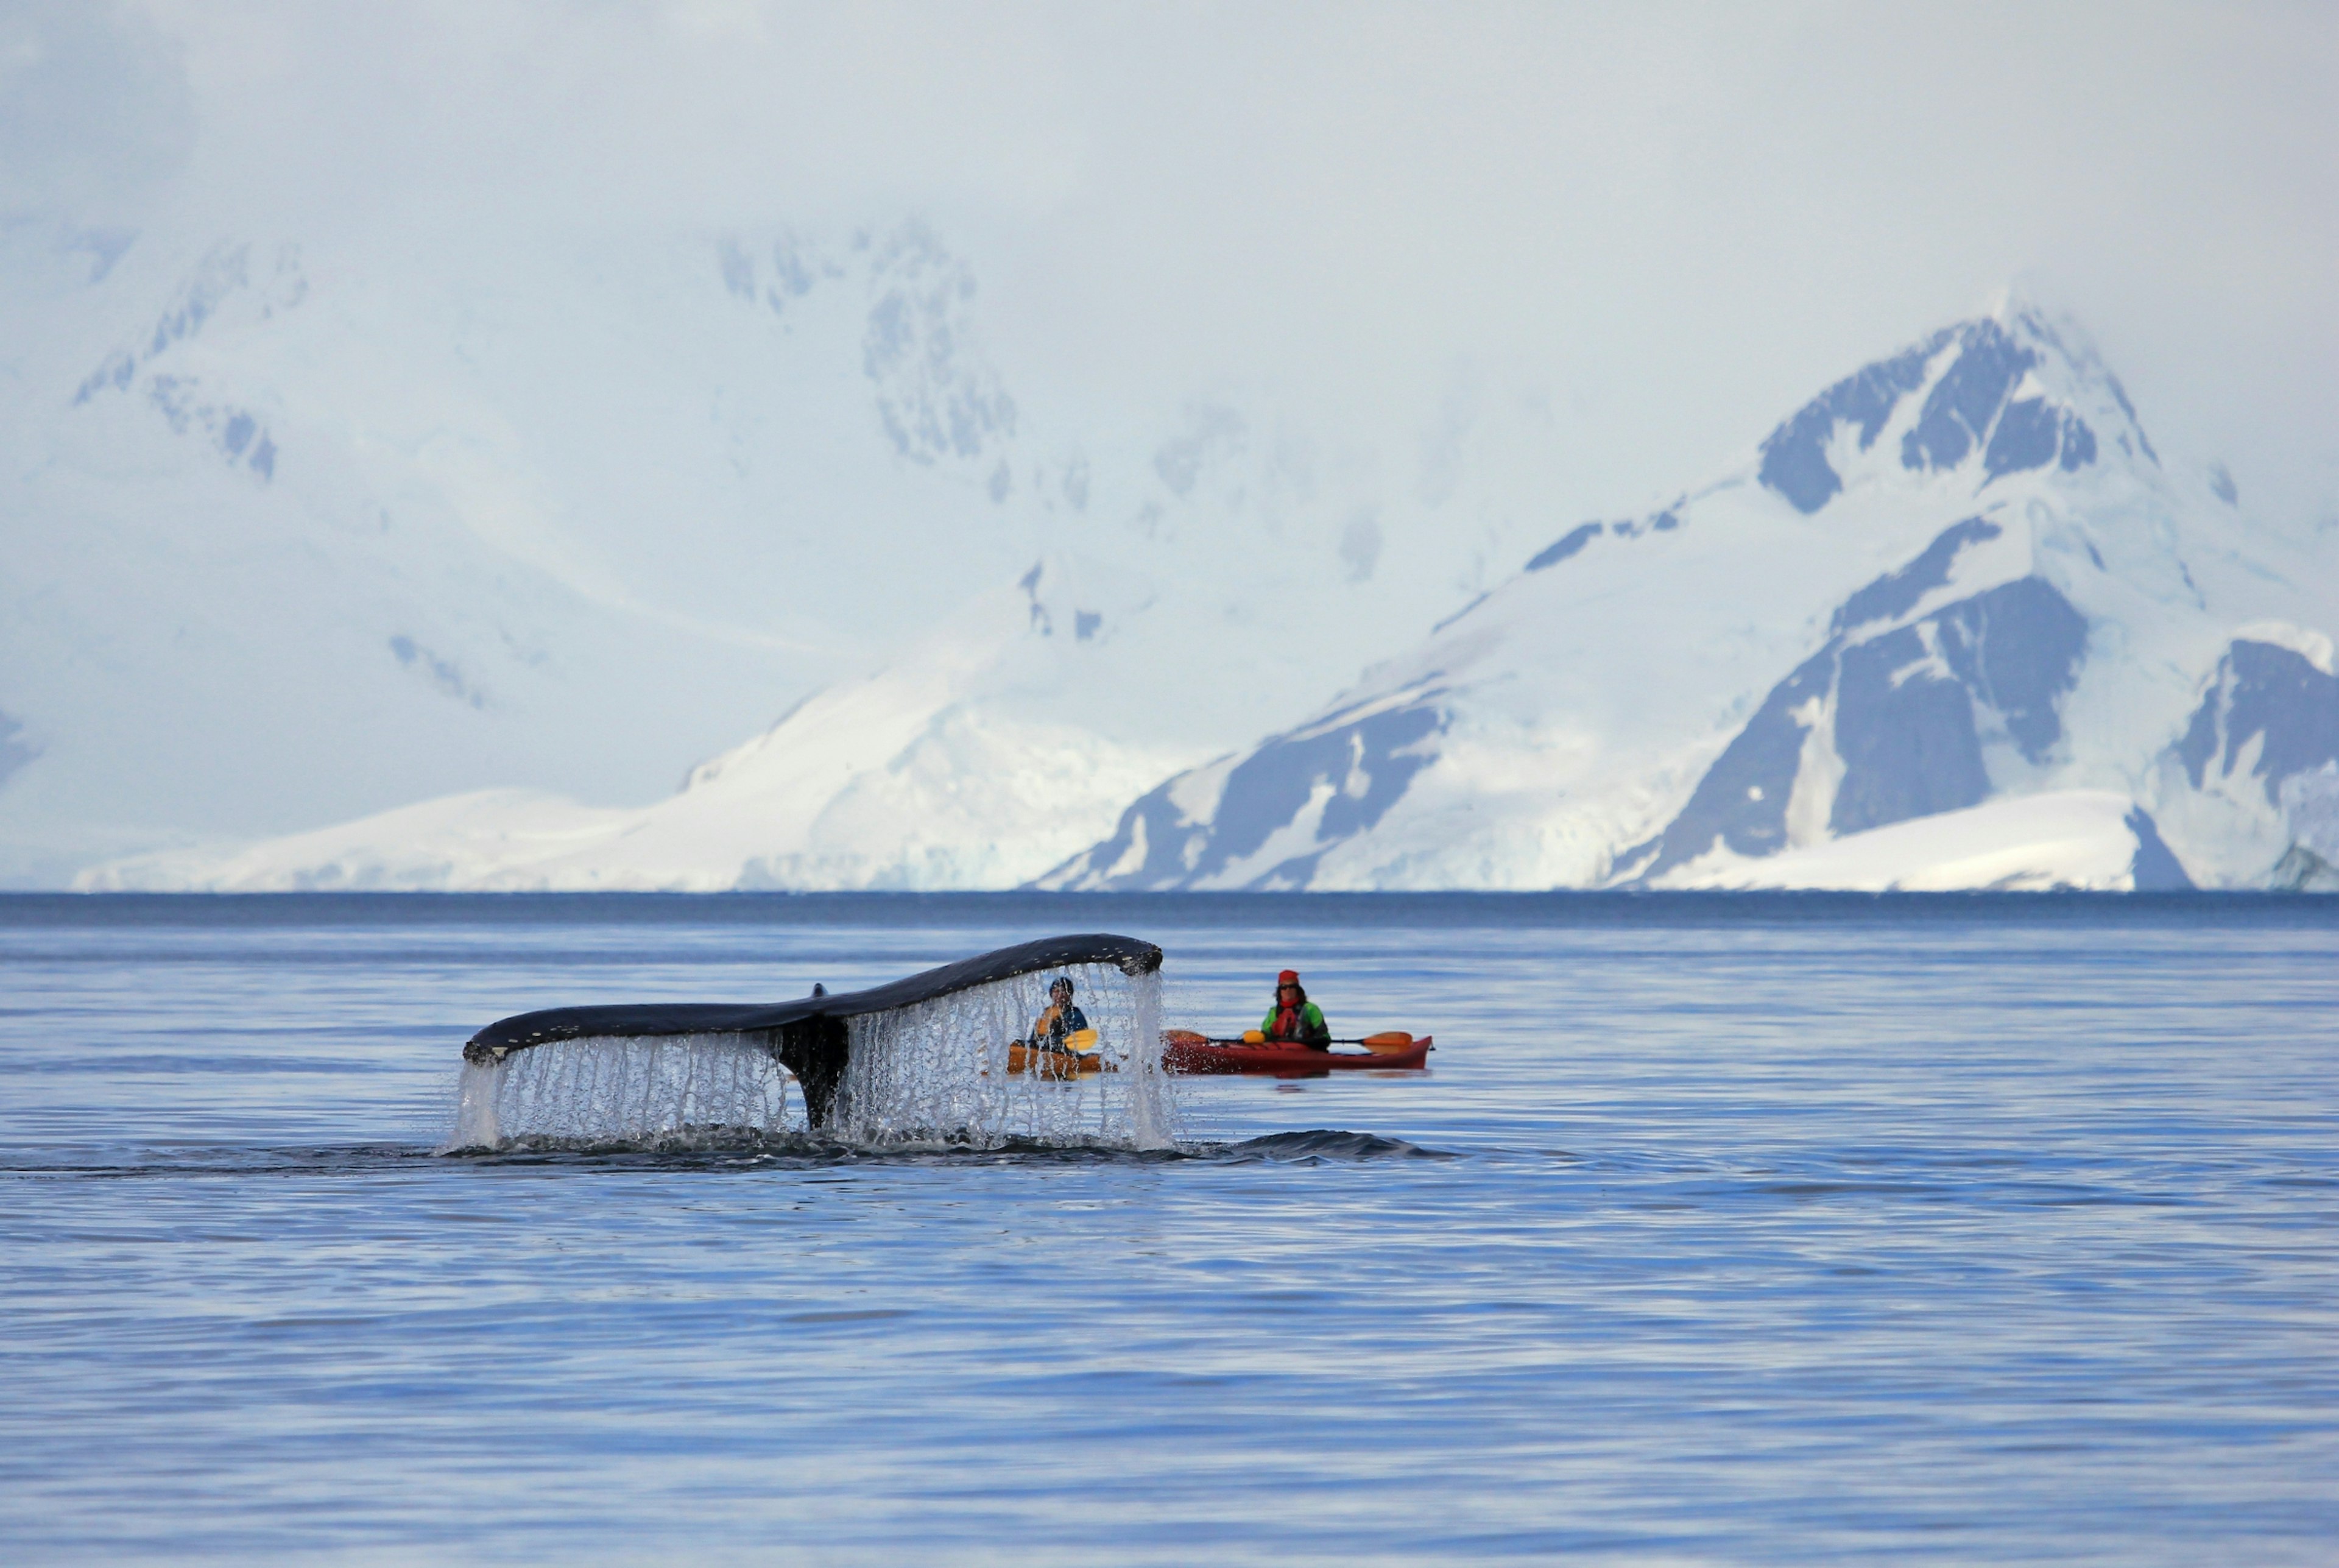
<point>1390,1042</point>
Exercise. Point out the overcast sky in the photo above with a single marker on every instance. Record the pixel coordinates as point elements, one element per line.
<point>1679,220</point>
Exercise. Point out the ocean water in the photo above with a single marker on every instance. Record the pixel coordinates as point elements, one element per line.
<point>1738,1229</point>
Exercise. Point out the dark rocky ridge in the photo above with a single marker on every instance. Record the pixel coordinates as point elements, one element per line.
<point>1911,706</point>
<point>1971,406</point>
<point>2263,690</point>
<point>1369,761</point>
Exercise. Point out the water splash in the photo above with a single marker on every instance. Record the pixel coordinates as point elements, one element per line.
<point>937,1072</point>
<point>932,1075</point>
<point>637,1090</point>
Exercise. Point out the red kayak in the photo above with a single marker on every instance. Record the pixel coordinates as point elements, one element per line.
<point>1182,1052</point>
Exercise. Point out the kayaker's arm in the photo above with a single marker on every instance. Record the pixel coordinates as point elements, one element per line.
<point>1314,1032</point>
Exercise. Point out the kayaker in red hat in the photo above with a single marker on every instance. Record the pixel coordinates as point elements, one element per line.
<point>1294,1020</point>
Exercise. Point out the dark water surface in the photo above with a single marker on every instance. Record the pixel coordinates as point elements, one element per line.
<point>1770,1229</point>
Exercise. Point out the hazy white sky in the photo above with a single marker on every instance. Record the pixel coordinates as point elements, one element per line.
<point>1679,220</point>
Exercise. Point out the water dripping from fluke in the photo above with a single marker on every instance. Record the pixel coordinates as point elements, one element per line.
<point>933,1063</point>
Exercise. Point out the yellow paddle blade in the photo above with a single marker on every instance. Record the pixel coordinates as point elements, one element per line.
<point>1254,1037</point>
<point>1394,1042</point>
<point>1082,1040</point>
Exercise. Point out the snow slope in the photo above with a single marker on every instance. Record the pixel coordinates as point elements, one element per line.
<point>1962,574</point>
<point>934,772</point>
<point>303,528</point>
<point>2095,840</point>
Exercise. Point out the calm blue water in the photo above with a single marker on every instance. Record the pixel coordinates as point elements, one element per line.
<point>1746,1230</point>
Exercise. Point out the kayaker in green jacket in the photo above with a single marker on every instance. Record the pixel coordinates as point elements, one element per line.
<point>1294,1020</point>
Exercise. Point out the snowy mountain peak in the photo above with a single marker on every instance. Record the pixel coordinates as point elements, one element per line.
<point>1956,580</point>
<point>2004,393</point>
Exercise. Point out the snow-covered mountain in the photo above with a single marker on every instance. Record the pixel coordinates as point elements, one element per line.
<point>305,528</point>
<point>954,767</point>
<point>1954,623</point>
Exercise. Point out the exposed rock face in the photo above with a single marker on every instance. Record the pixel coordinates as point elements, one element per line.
<point>2301,869</point>
<point>1292,797</point>
<point>1795,457</point>
<point>2269,714</point>
<point>2310,809</point>
<point>1894,711</point>
<point>936,401</point>
<point>1977,403</point>
<point>2154,869</point>
<point>228,284</point>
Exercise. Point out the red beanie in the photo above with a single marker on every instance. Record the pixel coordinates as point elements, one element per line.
<point>1289,977</point>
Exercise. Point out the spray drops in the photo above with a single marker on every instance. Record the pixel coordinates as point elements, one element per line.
<point>934,1074</point>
